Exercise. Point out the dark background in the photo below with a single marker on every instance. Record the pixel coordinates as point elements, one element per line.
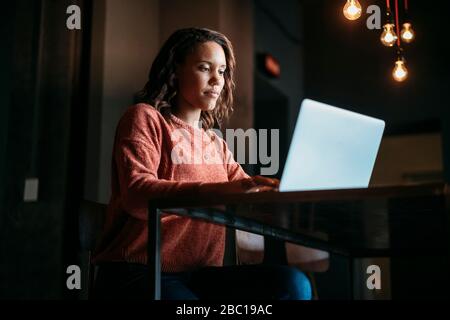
<point>347,66</point>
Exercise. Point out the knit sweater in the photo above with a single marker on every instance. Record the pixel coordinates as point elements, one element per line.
<point>157,155</point>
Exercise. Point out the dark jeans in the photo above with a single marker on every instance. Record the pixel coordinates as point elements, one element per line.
<point>130,281</point>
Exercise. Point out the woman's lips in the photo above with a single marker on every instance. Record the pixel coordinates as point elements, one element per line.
<point>212,94</point>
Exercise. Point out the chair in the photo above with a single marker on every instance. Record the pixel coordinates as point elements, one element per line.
<point>90,222</point>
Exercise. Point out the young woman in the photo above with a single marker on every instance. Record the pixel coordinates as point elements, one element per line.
<point>190,82</point>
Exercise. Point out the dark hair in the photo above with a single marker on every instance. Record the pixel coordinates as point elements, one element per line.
<point>161,89</point>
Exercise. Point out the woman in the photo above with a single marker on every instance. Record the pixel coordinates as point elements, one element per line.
<point>190,82</point>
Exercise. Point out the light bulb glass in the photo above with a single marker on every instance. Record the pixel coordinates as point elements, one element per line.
<point>400,73</point>
<point>407,33</point>
<point>352,9</point>
<point>388,37</point>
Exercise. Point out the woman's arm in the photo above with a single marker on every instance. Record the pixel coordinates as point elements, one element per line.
<point>137,163</point>
<point>137,155</point>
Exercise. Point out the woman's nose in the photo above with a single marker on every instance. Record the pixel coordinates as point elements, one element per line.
<point>215,78</point>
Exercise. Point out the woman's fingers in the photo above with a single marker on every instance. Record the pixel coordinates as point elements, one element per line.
<point>254,184</point>
<point>261,188</point>
<point>248,183</point>
<point>272,182</point>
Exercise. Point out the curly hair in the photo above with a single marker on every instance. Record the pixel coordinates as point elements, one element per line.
<point>161,88</point>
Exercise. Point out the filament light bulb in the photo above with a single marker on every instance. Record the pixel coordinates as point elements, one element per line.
<point>352,9</point>
<point>407,33</point>
<point>388,37</point>
<point>400,73</point>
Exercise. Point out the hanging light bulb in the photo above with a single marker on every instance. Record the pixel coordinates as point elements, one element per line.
<point>407,33</point>
<point>352,9</point>
<point>388,37</point>
<point>400,73</point>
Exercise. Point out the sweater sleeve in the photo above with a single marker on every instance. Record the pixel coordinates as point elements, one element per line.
<point>137,156</point>
<point>234,169</point>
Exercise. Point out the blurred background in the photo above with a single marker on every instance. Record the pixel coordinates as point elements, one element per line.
<point>63,91</point>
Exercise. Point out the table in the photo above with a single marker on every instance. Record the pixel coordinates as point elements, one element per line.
<point>380,221</point>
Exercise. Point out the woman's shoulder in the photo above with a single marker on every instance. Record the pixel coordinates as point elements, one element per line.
<point>141,121</point>
<point>142,114</point>
<point>141,110</point>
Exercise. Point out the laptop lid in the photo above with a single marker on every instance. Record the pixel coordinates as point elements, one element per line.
<point>331,148</point>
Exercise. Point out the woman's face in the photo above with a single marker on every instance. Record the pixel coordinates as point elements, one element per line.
<point>201,77</point>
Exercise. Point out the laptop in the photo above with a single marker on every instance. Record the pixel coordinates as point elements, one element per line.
<point>331,148</point>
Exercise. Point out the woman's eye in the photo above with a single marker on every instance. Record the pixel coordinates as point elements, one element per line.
<point>202,68</point>
<point>221,72</point>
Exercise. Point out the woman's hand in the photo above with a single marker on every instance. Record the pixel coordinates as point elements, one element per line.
<point>252,184</point>
<point>263,184</point>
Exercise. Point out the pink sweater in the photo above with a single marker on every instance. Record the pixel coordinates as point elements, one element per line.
<point>158,155</point>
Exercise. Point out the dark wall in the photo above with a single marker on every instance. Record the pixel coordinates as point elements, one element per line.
<point>346,65</point>
<point>43,107</point>
<point>278,31</point>
<point>5,74</point>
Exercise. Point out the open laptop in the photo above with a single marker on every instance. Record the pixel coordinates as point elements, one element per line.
<point>331,148</point>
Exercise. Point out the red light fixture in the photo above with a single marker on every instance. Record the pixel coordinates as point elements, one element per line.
<point>272,66</point>
<point>268,65</point>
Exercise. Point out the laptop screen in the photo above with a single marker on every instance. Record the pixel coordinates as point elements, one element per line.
<point>332,148</point>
